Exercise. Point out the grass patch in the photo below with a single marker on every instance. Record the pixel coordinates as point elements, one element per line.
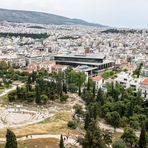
<point>60,116</point>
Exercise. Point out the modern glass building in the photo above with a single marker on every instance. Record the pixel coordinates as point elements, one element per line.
<point>97,61</point>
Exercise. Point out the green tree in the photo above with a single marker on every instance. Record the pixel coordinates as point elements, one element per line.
<point>44,99</point>
<point>37,94</point>
<point>108,74</point>
<point>100,97</point>
<point>61,144</point>
<point>29,79</point>
<point>11,141</point>
<point>138,70</point>
<point>72,124</point>
<point>34,76</point>
<point>78,110</point>
<point>87,120</point>
<point>129,137</point>
<point>17,92</point>
<point>142,139</point>
<point>12,96</point>
<point>65,88</point>
<point>64,98</point>
<point>93,110</point>
<point>113,118</point>
<point>107,136</point>
<point>81,77</point>
<point>134,121</point>
<point>93,137</point>
<point>59,83</point>
<point>119,144</point>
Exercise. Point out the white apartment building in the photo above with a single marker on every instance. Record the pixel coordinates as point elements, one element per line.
<point>127,80</point>
<point>137,84</point>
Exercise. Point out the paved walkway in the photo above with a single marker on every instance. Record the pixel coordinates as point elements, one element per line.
<point>9,90</point>
<point>119,130</point>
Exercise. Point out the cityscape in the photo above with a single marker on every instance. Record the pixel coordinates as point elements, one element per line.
<point>69,83</point>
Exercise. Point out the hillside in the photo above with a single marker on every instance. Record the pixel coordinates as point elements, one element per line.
<point>19,16</point>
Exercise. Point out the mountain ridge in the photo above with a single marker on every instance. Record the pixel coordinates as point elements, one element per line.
<point>24,16</point>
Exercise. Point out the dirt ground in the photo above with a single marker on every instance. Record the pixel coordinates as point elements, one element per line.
<point>54,125</point>
<point>37,143</point>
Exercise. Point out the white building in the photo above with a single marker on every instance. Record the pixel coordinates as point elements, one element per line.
<point>127,80</point>
<point>98,81</point>
<point>144,88</point>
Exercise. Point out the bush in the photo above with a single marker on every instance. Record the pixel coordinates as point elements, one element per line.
<point>78,110</point>
<point>72,88</point>
<point>119,144</point>
<point>124,122</point>
<point>63,98</point>
<point>107,74</point>
<point>44,99</point>
<point>72,124</point>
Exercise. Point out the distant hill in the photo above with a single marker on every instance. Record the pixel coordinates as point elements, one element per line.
<point>19,16</point>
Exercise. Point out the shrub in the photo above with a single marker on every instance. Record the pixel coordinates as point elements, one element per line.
<point>119,144</point>
<point>72,124</point>
<point>63,98</point>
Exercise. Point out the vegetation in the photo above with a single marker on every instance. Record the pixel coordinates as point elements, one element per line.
<point>122,31</point>
<point>78,110</point>
<point>138,70</point>
<point>72,124</point>
<point>61,145</point>
<point>129,137</point>
<point>93,137</point>
<point>142,139</point>
<point>113,118</point>
<point>37,87</point>
<point>119,144</point>
<point>8,74</point>
<point>27,35</point>
<point>69,37</point>
<point>119,107</point>
<point>107,74</point>
<point>10,140</point>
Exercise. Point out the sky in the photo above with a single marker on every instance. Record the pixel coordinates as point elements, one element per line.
<point>114,13</point>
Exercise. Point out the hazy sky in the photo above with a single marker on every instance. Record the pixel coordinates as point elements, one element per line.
<point>117,13</point>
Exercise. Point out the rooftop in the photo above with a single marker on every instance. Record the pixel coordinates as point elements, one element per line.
<point>145,81</point>
<point>90,56</point>
<point>85,68</point>
<point>97,78</point>
<point>85,63</point>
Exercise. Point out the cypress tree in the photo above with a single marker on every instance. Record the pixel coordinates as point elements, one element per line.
<point>64,88</point>
<point>142,139</point>
<point>37,94</point>
<point>11,141</point>
<point>61,145</point>
<point>93,137</point>
<point>94,90</point>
